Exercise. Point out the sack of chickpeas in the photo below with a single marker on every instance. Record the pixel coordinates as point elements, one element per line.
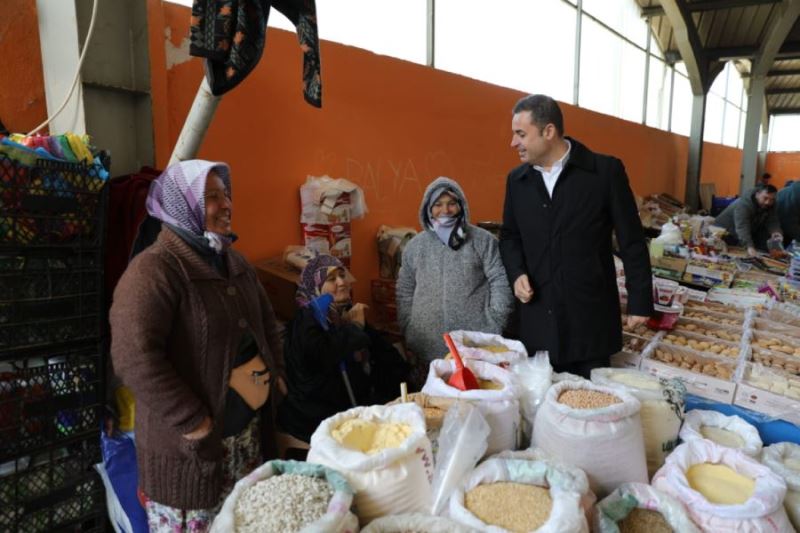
<point>728,431</point>
<point>662,408</point>
<point>783,458</point>
<point>497,399</point>
<point>723,489</point>
<point>415,523</point>
<point>512,495</point>
<point>383,453</point>
<point>288,496</point>
<point>488,347</point>
<point>598,429</point>
<point>640,508</point>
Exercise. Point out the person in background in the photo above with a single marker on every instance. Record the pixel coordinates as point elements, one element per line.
<point>334,359</point>
<point>752,219</point>
<point>562,205</point>
<point>765,179</point>
<point>451,278</point>
<point>195,339</point>
<point>788,207</point>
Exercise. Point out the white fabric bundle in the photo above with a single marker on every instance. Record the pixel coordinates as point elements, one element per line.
<point>698,418</point>
<point>783,458</point>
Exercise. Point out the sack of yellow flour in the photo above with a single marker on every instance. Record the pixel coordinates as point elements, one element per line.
<point>724,489</point>
<point>488,347</point>
<point>384,454</point>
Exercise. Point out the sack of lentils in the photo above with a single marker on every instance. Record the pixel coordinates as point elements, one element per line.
<point>289,496</point>
<point>640,508</point>
<point>518,496</point>
<point>593,427</point>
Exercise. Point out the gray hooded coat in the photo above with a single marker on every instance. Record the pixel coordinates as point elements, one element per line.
<point>440,289</point>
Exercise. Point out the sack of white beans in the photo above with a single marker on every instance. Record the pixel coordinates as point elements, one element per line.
<point>662,408</point>
<point>728,431</point>
<point>498,405</point>
<point>510,495</point>
<point>288,496</point>
<point>640,508</point>
<point>783,458</point>
<point>597,429</point>
<point>415,523</point>
<point>384,454</point>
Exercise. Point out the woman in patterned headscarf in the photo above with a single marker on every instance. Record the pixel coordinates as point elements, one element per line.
<point>196,341</point>
<point>330,348</point>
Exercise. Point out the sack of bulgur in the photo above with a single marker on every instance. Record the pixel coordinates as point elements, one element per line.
<point>783,458</point>
<point>593,427</point>
<point>728,431</point>
<point>288,496</point>
<point>500,407</point>
<point>415,523</point>
<point>513,495</point>
<point>723,489</point>
<point>383,453</point>
<point>662,408</point>
<point>488,347</point>
<point>640,508</point>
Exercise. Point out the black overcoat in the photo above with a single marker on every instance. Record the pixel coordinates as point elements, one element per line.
<point>564,245</point>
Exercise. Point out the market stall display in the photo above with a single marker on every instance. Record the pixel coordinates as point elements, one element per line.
<point>702,343</point>
<point>783,458</point>
<point>727,431</point>
<point>720,367</point>
<point>710,329</point>
<point>640,508</point>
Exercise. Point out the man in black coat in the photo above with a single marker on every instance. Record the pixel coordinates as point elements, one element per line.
<point>561,207</point>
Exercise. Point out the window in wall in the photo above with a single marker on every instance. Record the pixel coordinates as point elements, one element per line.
<point>658,89</point>
<point>534,52</point>
<point>682,105</point>
<point>715,107</point>
<point>681,67</point>
<point>622,16</point>
<point>730,133</point>
<point>654,48</point>
<point>720,83</point>
<point>612,73</point>
<point>735,86</point>
<point>783,136</point>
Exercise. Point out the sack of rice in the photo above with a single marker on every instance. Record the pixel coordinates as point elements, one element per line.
<point>729,431</point>
<point>593,427</point>
<point>498,402</point>
<point>415,523</point>
<point>783,458</point>
<point>723,489</point>
<point>640,508</point>
<point>488,347</point>
<point>662,408</point>
<point>511,495</point>
<point>383,453</point>
<point>288,496</point>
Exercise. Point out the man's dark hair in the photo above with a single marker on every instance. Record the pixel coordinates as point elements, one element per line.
<point>766,176</point>
<point>544,110</point>
<point>766,187</point>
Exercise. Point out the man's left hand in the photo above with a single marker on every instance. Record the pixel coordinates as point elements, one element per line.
<point>634,320</point>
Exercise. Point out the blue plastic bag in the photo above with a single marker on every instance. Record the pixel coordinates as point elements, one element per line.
<point>121,478</point>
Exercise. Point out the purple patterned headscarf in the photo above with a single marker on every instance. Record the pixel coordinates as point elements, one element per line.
<point>313,277</point>
<point>177,197</point>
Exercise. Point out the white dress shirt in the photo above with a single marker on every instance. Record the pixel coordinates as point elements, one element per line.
<point>551,176</point>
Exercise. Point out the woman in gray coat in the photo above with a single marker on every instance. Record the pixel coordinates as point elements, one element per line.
<point>452,276</point>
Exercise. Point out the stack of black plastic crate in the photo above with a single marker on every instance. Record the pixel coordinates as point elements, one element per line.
<point>52,341</point>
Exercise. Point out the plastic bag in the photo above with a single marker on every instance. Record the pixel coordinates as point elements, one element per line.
<point>783,458</point>
<point>462,443</point>
<point>403,523</point>
<point>698,418</point>
<point>566,515</point>
<point>762,512</point>
<point>500,407</point>
<point>392,481</point>
<point>488,347</point>
<point>337,519</point>
<point>629,496</point>
<point>120,477</point>
<point>670,234</point>
<point>534,375</point>
<point>594,440</point>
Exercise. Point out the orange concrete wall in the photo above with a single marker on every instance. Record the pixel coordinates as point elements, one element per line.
<point>783,166</point>
<point>722,166</point>
<point>22,101</point>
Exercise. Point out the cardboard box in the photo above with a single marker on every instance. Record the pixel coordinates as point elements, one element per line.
<point>769,403</point>
<point>626,360</point>
<point>668,267</point>
<point>708,277</point>
<point>698,384</point>
<point>280,282</point>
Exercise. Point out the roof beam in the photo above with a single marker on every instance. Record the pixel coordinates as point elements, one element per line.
<point>788,72</point>
<point>789,50</point>
<point>785,111</point>
<point>791,90</point>
<point>708,5</point>
<point>688,42</point>
<point>779,27</point>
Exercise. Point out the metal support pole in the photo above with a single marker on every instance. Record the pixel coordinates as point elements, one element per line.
<point>692,194</point>
<point>646,74</point>
<point>576,76</point>
<point>430,48</point>
<point>671,95</point>
<point>752,124</point>
<point>196,125</point>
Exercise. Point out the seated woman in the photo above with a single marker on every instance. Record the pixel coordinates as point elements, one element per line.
<point>334,359</point>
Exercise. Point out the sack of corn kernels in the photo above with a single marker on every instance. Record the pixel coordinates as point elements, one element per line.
<point>723,489</point>
<point>597,429</point>
<point>288,496</point>
<point>662,408</point>
<point>505,495</point>
<point>488,347</point>
<point>383,453</point>
<point>497,399</point>
<point>415,523</point>
<point>728,431</point>
<point>783,458</point>
<point>640,508</point>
